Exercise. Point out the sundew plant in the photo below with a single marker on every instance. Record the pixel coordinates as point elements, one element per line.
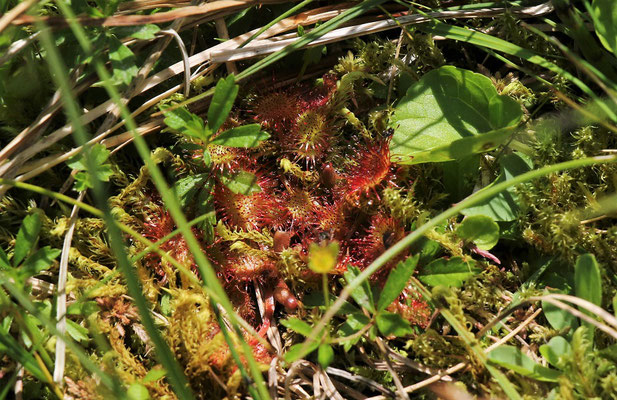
<point>308,200</point>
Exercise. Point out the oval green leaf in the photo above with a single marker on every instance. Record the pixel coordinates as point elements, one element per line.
<point>325,355</point>
<point>480,230</point>
<point>588,285</point>
<point>556,347</point>
<point>446,105</point>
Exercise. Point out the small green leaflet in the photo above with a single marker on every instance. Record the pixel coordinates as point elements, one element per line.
<point>397,280</point>
<point>223,100</point>
<point>102,171</point>
<point>187,187</point>
<point>241,182</point>
<point>450,273</point>
<point>186,123</point>
<point>325,355</point>
<point>297,325</point>
<point>299,350</point>
<point>392,324</point>
<point>26,237</point>
<point>123,62</point>
<point>41,260</point>
<point>556,347</point>
<point>143,32</point>
<point>362,294</point>
<point>242,136</point>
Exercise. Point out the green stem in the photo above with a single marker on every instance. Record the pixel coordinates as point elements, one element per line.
<point>326,291</point>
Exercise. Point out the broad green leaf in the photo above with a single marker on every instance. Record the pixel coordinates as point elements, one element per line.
<point>241,182</point>
<point>297,351</point>
<point>137,391</point>
<point>222,102</point>
<point>297,325</point>
<point>588,284</point>
<point>39,261</point>
<point>392,324</point>
<point>445,105</point>
<point>458,149</point>
<point>504,206</point>
<point>556,347</point>
<point>397,280</point>
<point>186,123</point>
<point>26,237</point>
<point>123,62</point>
<point>459,177</point>
<point>242,136</point>
<point>480,230</point>
<point>558,318</point>
<point>604,15</point>
<point>362,294</point>
<point>154,375</point>
<point>450,273</point>
<point>513,358</point>
<point>325,355</point>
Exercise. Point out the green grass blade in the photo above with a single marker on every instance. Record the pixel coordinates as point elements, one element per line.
<point>281,17</point>
<point>209,277</point>
<point>175,374</point>
<point>107,380</point>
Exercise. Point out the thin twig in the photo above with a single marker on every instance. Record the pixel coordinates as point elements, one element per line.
<point>214,9</point>
<point>268,46</point>
<point>14,13</point>
<point>221,30</point>
<point>460,366</point>
<point>400,390</point>
<point>358,379</point>
<point>579,314</point>
<point>185,59</point>
<point>18,46</point>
